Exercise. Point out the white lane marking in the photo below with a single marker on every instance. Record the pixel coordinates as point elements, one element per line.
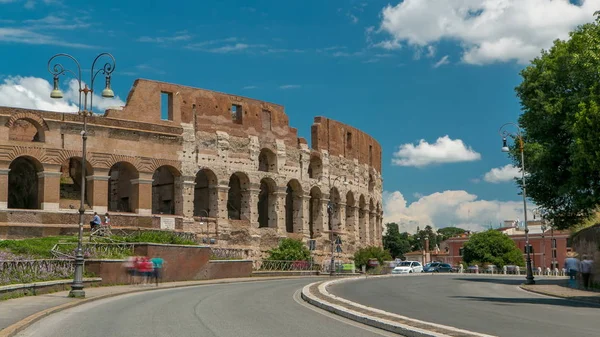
<point>338,318</point>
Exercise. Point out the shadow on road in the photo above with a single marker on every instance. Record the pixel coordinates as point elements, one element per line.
<point>543,301</point>
<point>514,280</point>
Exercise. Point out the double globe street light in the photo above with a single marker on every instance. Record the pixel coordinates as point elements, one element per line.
<point>57,70</point>
<point>518,137</point>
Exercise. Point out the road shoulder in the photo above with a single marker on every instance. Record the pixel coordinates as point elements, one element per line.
<point>571,294</point>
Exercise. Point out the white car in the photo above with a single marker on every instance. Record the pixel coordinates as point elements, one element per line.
<point>408,267</point>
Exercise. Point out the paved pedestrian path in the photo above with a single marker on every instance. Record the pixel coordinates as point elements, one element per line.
<point>559,290</point>
<point>18,310</point>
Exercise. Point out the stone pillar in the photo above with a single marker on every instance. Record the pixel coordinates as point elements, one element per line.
<point>351,224</point>
<point>372,232</point>
<point>363,223</point>
<point>341,218</point>
<point>302,222</point>
<point>186,189</point>
<point>141,194</point>
<point>97,192</point>
<point>179,195</point>
<point>378,231</point>
<point>218,207</point>
<point>277,216</point>
<point>324,225</point>
<point>250,205</point>
<point>49,190</point>
<point>4,188</point>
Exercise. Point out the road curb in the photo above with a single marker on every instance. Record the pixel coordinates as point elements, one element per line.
<point>23,324</point>
<point>377,322</point>
<point>540,292</point>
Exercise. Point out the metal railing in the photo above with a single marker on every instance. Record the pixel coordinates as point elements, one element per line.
<point>274,265</point>
<point>94,250</point>
<point>229,253</point>
<point>27,271</point>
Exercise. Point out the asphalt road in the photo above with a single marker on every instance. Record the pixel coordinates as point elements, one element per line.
<point>256,309</point>
<point>488,305</point>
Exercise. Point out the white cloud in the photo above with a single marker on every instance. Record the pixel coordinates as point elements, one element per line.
<point>248,87</point>
<point>34,93</point>
<point>441,62</point>
<point>178,36</point>
<point>18,35</point>
<point>449,208</point>
<point>502,174</point>
<point>488,31</point>
<point>444,150</point>
<point>289,86</point>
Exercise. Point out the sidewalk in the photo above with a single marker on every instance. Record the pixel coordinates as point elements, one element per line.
<point>18,313</point>
<point>565,292</point>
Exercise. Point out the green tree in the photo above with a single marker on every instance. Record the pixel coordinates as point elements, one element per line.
<point>395,242</point>
<point>290,250</point>
<point>492,247</point>
<point>559,96</point>
<point>362,256</point>
<point>449,232</point>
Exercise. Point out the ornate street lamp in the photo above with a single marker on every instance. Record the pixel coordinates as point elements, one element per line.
<point>519,137</point>
<point>57,70</point>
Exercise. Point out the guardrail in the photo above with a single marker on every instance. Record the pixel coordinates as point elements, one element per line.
<point>274,265</point>
<point>95,249</point>
<point>27,271</point>
<point>229,253</point>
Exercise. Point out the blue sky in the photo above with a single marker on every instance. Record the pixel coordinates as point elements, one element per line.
<point>389,68</point>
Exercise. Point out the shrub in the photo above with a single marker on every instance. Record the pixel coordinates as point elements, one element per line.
<point>289,250</point>
<point>362,256</point>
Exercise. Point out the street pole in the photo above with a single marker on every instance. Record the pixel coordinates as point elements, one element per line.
<point>57,70</point>
<point>519,136</point>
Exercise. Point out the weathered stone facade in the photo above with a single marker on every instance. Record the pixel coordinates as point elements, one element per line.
<point>227,167</point>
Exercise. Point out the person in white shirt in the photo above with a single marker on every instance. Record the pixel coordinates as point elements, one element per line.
<point>586,271</point>
<point>571,267</point>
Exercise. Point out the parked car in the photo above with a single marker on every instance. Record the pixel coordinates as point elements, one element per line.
<point>408,267</point>
<point>437,267</point>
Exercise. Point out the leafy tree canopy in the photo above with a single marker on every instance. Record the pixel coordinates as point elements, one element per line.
<point>560,98</point>
<point>492,247</point>
<point>395,242</point>
<point>290,250</point>
<point>362,256</point>
<point>448,232</point>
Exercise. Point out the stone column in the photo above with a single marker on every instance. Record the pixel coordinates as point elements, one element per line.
<point>341,218</point>
<point>302,222</point>
<point>363,227</point>
<point>351,225</point>
<point>378,231</point>
<point>179,195</point>
<point>49,190</point>
<point>250,205</point>
<point>277,215</point>
<point>218,207</point>
<point>141,194</point>
<point>186,185</point>
<point>97,192</point>
<point>372,232</point>
<point>4,188</point>
<point>324,225</point>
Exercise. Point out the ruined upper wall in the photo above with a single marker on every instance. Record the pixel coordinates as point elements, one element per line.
<point>343,140</point>
<point>207,110</point>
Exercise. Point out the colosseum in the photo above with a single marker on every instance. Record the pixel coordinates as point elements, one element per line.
<point>230,169</point>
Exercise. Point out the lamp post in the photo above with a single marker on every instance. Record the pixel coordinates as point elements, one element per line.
<point>330,206</point>
<point>57,70</point>
<point>519,137</point>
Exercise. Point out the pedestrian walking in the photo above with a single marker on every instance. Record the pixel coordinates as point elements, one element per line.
<point>158,263</point>
<point>586,271</point>
<point>130,269</point>
<point>107,221</point>
<point>572,267</point>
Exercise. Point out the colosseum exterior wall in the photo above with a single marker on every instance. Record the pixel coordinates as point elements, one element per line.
<point>229,168</point>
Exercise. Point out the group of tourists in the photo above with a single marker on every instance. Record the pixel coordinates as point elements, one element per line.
<point>574,268</point>
<point>144,270</point>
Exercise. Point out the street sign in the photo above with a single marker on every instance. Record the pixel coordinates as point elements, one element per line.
<point>312,244</point>
<point>338,240</point>
<point>338,248</point>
